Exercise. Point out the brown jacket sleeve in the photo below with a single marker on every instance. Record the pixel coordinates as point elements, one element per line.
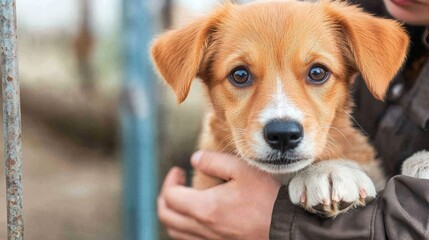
<point>400,212</point>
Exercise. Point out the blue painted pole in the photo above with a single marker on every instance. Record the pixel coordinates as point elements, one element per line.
<point>138,121</point>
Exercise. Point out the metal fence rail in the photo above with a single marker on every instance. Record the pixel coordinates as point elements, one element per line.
<point>11,119</point>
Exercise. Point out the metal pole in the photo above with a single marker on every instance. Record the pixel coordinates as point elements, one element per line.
<point>138,121</point>
<point>11,119</point>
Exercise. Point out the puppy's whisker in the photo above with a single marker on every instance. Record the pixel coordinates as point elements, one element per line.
<point>334,142</point>
<point>339,131</point>
<point>331,151</point>
<point>354,120</point>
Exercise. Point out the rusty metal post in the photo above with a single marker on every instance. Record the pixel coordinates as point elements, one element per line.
<point>11,119</point>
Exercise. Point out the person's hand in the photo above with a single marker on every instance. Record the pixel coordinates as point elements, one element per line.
<point>241,208</point>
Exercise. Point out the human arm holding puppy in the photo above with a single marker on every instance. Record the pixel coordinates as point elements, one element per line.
<point>242,207</point>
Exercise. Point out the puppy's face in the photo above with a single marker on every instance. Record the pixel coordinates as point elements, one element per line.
<point>278,76</point>
<point>278,73</point>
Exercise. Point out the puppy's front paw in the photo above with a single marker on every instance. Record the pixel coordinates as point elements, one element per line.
<point>331,187</point>
<point>417,165</point>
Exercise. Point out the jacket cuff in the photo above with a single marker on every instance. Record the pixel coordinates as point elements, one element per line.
<point>283,216</point>
<point>293,222</point>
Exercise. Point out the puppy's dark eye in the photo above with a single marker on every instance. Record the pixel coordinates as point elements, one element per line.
<point>240,76</point>
<point>318,74</point>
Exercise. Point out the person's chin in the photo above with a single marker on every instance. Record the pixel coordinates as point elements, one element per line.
<point>404,13</point>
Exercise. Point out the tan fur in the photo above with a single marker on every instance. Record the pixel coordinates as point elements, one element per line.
<point>281,40</point>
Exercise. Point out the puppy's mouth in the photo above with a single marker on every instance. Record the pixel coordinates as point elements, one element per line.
<point>280,161</point>
<point>280,164</point>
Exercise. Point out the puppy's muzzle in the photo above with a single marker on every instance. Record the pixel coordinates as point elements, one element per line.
<point>283,135</point>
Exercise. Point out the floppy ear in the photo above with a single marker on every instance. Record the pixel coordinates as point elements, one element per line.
<point>178,54</point>
<point>377,46</point>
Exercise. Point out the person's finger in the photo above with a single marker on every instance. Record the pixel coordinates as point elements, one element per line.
<point>182,223</point>
<point>178,235</point>
<point>189,201</point>
<point>224,166</point>
<point>174,177</point>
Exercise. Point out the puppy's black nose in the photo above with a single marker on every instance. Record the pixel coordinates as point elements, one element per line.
<point>283,135</point>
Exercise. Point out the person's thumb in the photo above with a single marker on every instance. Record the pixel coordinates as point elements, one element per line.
<point>220,165</point>
<point>175,177</point>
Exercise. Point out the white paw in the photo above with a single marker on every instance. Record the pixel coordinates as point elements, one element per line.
<point>417,165</point>
<point>331,187</point>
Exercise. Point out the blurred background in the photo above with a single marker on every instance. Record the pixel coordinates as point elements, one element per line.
<point>85,156</point>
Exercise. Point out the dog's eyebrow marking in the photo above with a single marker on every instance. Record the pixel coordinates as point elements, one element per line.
<point>280,107</point>
<point>321,58</point>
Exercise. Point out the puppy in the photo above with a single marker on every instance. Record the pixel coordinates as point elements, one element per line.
<point>278,76</point>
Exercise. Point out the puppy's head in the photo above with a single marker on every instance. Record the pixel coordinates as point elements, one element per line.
<point>278,73</point>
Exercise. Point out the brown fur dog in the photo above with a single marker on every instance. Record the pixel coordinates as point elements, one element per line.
<point>278,76</point>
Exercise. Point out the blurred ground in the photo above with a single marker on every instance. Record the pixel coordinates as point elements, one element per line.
<point>70,191</point>
<point>71,161</point>
<point>71,167</point>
